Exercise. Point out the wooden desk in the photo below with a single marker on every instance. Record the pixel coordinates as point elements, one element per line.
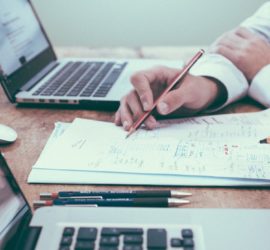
<point>35,125</point>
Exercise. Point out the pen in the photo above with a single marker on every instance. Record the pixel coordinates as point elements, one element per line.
<point>114,194</point>
<point>265,141</point>
<point>121,202</point>
<point>177,80</point>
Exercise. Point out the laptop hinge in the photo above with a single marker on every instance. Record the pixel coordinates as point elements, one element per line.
<point>34,80</point>
<point>31,239</point>
<point>3,78</point>
<point>5,82</point>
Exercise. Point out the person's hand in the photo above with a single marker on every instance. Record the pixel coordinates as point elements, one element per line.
<point>194,94</point>
<point>248,51</point>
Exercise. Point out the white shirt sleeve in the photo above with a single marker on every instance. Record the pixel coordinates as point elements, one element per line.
<point>218,67</point>
<point>259,89</point>
<point>260,85</point>
<point>260,21</point>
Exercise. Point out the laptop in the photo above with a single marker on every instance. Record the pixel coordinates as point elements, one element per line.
<point>31,74</point>
<point>111,228</point>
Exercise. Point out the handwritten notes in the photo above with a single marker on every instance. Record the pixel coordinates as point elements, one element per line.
<point>219,146</point>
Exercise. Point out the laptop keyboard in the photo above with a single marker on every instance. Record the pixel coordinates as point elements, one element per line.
<point>83,79</point>
<point>131,238</point>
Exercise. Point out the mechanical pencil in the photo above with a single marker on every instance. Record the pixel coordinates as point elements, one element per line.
<point>121,202</point>
<point>114,194</point>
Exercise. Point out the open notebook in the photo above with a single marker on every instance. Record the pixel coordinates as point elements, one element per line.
<point>226,153</point>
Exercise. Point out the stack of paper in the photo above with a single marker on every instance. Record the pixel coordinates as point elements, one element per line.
<point>216,150</point>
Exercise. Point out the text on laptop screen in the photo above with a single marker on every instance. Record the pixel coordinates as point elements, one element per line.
<point>21,37</point>
<point>11,201</point>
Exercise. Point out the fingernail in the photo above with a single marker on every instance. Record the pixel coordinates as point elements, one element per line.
<point>163,107</point>
<point>145,106</point>
<point>152,119</point>
<point>151,122</point>
<point>125,124</point>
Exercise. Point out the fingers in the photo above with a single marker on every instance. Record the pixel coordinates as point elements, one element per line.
<point>239,39</point>
<point>195,94</point>
<point>244,33</point>
<point>243,47</point>
<point>231,45</point>
<point>171,102</point>
<point>130,110</point>
<point>148,83</point>
<point>252,39</point>
<point>125,115</point>
<point>232,41</point>
<point>227,52</point>
<point>117,118</point>
<point>141,82</point>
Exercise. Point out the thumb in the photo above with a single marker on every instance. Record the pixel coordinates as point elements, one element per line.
<point>171,102</point>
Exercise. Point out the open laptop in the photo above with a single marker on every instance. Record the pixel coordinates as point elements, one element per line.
<point>30,72</point>
<point>125,228</point>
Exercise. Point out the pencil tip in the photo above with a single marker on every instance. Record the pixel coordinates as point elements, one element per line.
<point>130,132</point>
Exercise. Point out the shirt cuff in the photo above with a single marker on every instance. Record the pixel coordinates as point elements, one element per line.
<point>218,67</point>
<point>260,86</point>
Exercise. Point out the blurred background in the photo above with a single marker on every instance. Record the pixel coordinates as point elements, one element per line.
<point>106,23</point>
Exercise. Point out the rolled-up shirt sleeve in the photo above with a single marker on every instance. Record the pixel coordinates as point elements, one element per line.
<point>259,88</point>
<point>225,72</point>
<point>260,85</point>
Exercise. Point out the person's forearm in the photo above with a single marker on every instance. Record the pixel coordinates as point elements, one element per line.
<point>231,82</point>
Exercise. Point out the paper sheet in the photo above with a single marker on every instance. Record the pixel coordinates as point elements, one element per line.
<point>39,175</point>
<point>238,155</point>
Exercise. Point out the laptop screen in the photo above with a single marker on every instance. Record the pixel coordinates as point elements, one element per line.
<point>13,206</point>
<point>24,47</point>
<point>20,35</point>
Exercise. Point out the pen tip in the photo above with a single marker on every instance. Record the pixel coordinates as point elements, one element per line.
<point>173,202</point>
<point>175,193</point>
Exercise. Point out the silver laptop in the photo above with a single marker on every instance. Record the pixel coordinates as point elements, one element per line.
<point>112,228</point>
<point>31,73</point>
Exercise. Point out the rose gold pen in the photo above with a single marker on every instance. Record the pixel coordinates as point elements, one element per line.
<point>177,80</point>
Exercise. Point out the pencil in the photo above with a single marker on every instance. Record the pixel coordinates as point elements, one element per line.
<point>177,80</point>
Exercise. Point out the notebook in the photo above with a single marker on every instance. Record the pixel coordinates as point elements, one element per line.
<point>31,73</point>
<point>124,228</point>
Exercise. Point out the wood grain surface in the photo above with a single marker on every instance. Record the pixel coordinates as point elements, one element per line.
<point>34,126</point>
